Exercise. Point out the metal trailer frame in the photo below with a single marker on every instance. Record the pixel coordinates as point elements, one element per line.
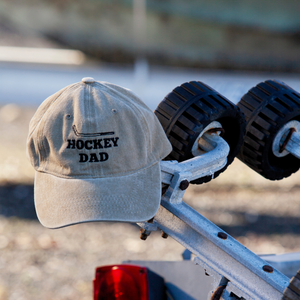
<point>238,272</point>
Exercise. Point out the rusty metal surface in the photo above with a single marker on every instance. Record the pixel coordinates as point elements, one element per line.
<point>284,144</point>
<point>218,292</point>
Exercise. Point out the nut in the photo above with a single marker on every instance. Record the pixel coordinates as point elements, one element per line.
<point>144,234</point>
<point>164,235</point>
<point>184,184</point>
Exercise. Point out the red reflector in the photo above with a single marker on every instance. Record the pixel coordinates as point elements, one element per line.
<point>121,282</point>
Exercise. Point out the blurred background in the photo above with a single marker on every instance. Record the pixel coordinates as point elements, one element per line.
<point>151,47</point>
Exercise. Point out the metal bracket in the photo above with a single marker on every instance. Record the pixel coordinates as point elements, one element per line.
<point>287,140</point>
<point>246,275</point>
<point>175,173</point>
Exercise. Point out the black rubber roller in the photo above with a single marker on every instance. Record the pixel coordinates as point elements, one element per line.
<point>188,109</point>
<point>267,107</point>
<point>292,292</point>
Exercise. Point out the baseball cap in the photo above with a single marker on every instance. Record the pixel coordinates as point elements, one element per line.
<point>96,150</point>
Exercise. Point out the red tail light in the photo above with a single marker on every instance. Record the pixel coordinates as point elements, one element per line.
<point>121,282</point>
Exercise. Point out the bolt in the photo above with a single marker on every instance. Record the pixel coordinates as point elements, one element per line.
<point>184,185</point>
<point>267,268</point>
<point>164,235</point>
<point>222,235</point>
<point>144,234</point>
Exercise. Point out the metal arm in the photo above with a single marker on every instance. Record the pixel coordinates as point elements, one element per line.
<point>241,273</point>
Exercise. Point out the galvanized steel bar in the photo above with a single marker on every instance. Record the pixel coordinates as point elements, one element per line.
<point>293,145</point>
<point>220,252</point>
<point>247,275</point>
<point>174,173</point>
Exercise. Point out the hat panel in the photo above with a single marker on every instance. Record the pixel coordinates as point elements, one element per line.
<point>157,141</point>
<point>36,123</point>
<point>52,132</point>
<point>32,153</point>
<point>94,136</point>
<point>43,108</point>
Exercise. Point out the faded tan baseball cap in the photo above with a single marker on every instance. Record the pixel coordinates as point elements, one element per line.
<point>96,149</point>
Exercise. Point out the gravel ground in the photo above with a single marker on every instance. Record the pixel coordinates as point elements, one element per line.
<point>38,263</point>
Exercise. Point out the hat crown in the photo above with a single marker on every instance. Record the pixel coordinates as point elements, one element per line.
<point>93,131</point>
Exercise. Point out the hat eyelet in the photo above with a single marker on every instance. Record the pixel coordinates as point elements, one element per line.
<point>68,117</point>
<point>114,110</point>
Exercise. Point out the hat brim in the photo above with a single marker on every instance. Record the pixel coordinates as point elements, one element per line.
<point>61,202</point>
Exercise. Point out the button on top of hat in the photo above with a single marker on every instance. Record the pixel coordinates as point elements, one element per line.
<point>88,80</point>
